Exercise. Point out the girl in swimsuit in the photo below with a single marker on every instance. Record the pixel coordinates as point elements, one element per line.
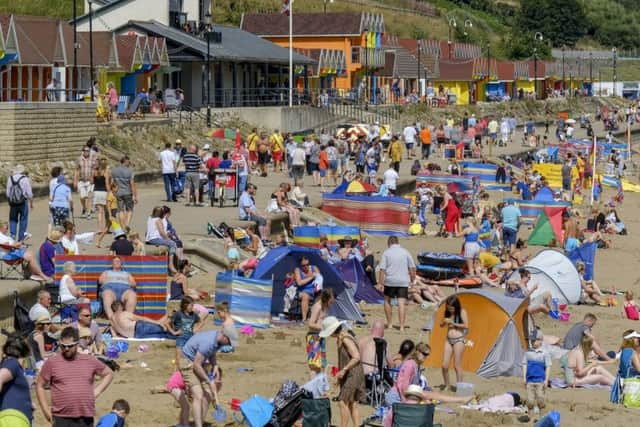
<point>580,370</point>
<point>457,323</point>
<point>471,245</point>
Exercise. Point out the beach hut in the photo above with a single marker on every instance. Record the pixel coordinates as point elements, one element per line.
<point>249,299</point>
<point>554,273</point>
<point>497,337</point>
<point>282,260</point>
<point>548,228</point>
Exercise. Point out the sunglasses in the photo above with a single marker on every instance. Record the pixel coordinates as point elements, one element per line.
<point>68,346</point>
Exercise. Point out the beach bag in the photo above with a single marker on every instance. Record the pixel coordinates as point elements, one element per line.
<point>631,392</point>
<point>316,412</point>
<point>632,312</point>
<point>177,186</point>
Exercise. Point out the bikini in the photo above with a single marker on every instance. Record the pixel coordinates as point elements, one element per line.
<point>453,341</point>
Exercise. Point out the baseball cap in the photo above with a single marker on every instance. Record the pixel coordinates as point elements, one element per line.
<point>231,333</point>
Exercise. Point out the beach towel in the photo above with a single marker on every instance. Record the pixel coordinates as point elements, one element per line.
<point>561,383</point>
<point>139,339</point>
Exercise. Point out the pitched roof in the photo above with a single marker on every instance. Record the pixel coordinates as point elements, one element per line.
<point>506,71</point>
<point>456,70</point>
<point>312,24</point>
<point>102,47</point>
<point>236,45</point>
<point>39,40</point>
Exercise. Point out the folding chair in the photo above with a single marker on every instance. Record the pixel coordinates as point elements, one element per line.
<point>414,415</point>
<point>379,381</point>
<point>123,103</point>
<point>12,269</point>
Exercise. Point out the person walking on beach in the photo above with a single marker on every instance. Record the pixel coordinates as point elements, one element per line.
<point>397,270</point>
<point>126,193</point>
<point>20,198</point>
<point>70,376</point>
<point>82,178</point>
<point>457,323</point>
<point>169,160</point>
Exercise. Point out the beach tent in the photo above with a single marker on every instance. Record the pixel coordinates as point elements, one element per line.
<point>548,227</point>
<point>282,260</point>
<point>353,274</point>
<point>497,337</point>
<point>249,299</point>
<point>555,273</point>
<point>587,254</point>
<point>545,194</point>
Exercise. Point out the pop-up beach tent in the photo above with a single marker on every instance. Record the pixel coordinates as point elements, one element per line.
<point>497,337</point>
<point>353,274</point>
<point>282,260</point>
<point>555,273</point>
<point>548,228</point>
<point>249,299</point>
<point>586,253</point>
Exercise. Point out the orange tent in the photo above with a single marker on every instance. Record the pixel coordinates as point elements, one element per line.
<point>497,337</point>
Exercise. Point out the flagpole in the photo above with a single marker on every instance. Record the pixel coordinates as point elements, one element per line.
<point>593,167</point>
<point>290,53</point>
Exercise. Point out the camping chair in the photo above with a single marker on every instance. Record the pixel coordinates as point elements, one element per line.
<point>414,415</point>
<point>379,381</point>
<point>134,109</point>
<point>123,103</point>
<point>12,269</point>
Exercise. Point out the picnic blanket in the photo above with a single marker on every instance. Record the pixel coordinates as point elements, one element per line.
<point>150,273</point>
<point>560,383</point>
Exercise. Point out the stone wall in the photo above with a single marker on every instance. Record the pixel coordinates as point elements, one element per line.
<point>33,132</point>
<point>294,119</point>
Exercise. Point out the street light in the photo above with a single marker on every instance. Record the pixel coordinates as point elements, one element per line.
<point>208,36</point>
<point>91,46</point>
<point>563,70</point>
<point>452,24</point>
<point>75,49</point>
<point>325,4</point>
<point>537,37</point>
<point>467,24</point>
<point>615,73</point>
<point>418,85</point>
<point>488,62</point>
<point>591,70</point>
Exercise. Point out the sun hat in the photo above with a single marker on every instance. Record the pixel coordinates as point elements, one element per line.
<point>329,326</point>
<point>206,147</point>
<point>44,319</point>
<point>414,390</point>
<point>633,334</point>
<point>84,332</point>
<point>353,241</point>
<point>231,333</point>
<point>119,233</point>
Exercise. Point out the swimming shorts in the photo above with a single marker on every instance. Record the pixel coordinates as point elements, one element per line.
<point>118,289</point>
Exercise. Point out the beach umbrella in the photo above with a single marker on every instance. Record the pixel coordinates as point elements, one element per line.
<point>360,187</point>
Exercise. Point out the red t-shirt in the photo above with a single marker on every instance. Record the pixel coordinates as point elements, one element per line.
<point>72,384</point>
<point>324,160</point>
<point>213,163</point>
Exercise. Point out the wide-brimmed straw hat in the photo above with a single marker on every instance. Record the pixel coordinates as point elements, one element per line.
<point>55,236</point>
<point>414,390</point>
<point>329,326</point>
<point>347,239</point>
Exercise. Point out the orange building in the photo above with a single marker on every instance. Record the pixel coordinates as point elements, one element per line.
<point>349,40</point>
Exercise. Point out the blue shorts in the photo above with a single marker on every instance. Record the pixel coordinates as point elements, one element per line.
<point>181,340</point>
<point>493,135</point>
<point>118,289</point>
<point>566,185</point>
<point>509,236</point>
<point>308,289</point>
<point>323,173</point>
<point>333,165</point>
<point>409,145</point>
<point>149,330</point>
<point>14,255</point>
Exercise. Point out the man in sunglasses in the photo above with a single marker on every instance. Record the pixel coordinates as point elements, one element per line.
<point>85,321</point>
<point>71,379</point>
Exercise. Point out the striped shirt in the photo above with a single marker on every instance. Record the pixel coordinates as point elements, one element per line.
<point>72,384</point>
<point>192,162</point>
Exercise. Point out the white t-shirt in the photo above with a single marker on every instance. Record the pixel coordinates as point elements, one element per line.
<point>38,310</point>
<point>409,133</point>
<point>70,246</point>
<point>168,158</point>
<point>298,157</point>
<point>391,178</point>
<point>152,230</point>
<point>65,293</point>
<point>5,240</point>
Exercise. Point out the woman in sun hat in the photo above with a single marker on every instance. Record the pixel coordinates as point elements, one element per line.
<point>350,377</point>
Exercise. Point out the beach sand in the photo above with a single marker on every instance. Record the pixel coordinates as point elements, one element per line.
<point>278,353</point>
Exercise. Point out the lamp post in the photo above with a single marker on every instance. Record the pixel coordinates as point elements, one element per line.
<point>75,48</point>
<point>91,46</point>
<point>208,35</point>
<point>537,37</point>
<point>488,62</point>
<point>563,69</point>
<point>591,70</point>
<point>615,70</point>
<point>366,67</point>
<point>467,24</point>
<point>419,86</point>
<point>452,24</point>
<point>325,4</point>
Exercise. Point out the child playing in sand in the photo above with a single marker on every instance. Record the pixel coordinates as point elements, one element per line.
<point>318,386</point>
<point>537,367</point>
<point>186,322</point>
<point>138,246</point>
<point>117,416</point>
<point>629,307</point>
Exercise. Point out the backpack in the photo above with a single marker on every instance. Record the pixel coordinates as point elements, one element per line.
<point>21,322</point>
<point>16,195</point>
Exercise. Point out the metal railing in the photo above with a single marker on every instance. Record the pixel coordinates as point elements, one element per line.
<point>12,94</point>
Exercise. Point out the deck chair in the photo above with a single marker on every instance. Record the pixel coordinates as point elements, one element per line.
<point>134,109</point>
<point>414,415</point>
<point>123,104</point>
<point>379,381</point>
<point>12,269</point>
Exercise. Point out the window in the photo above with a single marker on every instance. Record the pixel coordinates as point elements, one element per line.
<point>175,5</point>
<point>355,54</point>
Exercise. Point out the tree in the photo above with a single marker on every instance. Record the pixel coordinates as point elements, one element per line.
<point>561,22</point>
<point>521,45</point>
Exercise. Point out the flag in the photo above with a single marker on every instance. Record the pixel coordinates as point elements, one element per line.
<point>286,7</point>
<point>224,133</point>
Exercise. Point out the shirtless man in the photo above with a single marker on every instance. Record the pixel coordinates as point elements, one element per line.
<point>117,285</point>
<point>367,347</point>
<point>421,289</point>
<point>131,325</point>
